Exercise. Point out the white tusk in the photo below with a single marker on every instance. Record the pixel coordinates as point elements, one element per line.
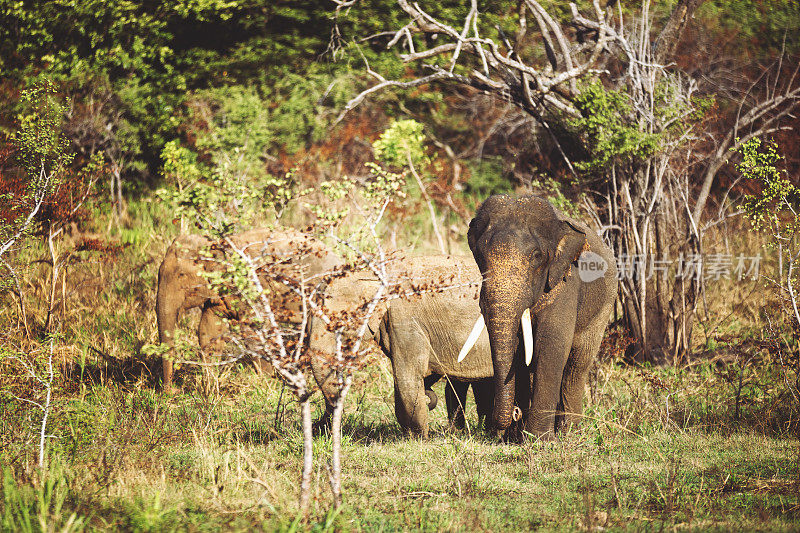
<point>527,336</point>
<point>477,329</point>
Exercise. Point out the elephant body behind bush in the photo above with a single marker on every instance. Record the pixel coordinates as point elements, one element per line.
<point>421,334</point>
<point>181,285</point>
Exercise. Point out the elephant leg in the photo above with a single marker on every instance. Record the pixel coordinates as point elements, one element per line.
<point>553,340</point>
<point>410,401</point>
<point>483,390</point>
<point>411,407</point>
<point>167,371</point>
<point>169,301</point>
<point>210,331</point>
<point>584,350</point>
<point>410,355</point>
<point>321,348</point>
<point>455,395</point>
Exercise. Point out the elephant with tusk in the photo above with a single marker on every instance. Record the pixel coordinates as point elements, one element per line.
<point>421,334</point>
<point>553,280</point>
<point>181,285</point>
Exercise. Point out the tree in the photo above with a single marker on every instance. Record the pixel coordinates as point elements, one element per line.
<point>775,211</point>
<point>624,121</point>
<point>249,276</point>
<point>39,197</point>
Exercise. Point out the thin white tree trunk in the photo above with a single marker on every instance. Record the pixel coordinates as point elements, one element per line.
<point>336,445</point>
<point>46,408</point>
<point>308,456</point>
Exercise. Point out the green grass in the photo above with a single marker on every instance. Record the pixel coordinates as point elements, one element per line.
<point>127,458</point>
<point>657,450</point>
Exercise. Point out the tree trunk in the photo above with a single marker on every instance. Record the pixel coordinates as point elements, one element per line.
<point>308,456</point>
<point>336,444</point>
<point>671,34</point>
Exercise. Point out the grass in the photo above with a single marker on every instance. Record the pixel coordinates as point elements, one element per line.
<point>128,458</point>
<point>709,446</point>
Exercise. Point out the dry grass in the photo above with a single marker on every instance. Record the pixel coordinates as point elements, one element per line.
<point>710,446</point>
<point>132,459</point>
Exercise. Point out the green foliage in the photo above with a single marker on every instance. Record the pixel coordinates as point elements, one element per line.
<point>776,212</point>
<point>302,106</point>
<point>237,132</point>
<point>383,185</point>
<point>402,141</point>
<point>148,56</point>
<point>762,27</point>
<point>486,178</point>
<point>552,190</point>
<point>43,147</point>
<point>147,513</point>
<point>371,199</point>
<point>44,154</point>
<point>225,203</point>
<point>402,146</point>
<point>39,507</point>
<point>777,208</point>
<point>333,191</point>
<point>611,132</point>
<point>181,168</point>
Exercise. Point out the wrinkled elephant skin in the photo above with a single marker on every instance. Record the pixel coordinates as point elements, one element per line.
<point>531,256</point>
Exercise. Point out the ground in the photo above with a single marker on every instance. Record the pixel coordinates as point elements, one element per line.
<point>126,457</point>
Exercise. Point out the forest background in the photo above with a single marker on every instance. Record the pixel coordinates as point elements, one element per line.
<point>124,104</point>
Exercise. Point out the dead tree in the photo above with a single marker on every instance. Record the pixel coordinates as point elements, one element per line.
<point>647,205</point>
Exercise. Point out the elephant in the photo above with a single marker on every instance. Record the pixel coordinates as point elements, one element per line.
<point>555,279</point>
<point>181,285</point>
<point>421,334</point>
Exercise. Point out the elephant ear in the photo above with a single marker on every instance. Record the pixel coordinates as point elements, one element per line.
<point>571,244</point>
<point>375,321</point>
<point>473,233</point>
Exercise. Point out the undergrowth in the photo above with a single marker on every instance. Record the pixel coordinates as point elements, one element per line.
<point>707,445</point>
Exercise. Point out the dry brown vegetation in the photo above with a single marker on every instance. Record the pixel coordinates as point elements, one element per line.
<point>708,445</point>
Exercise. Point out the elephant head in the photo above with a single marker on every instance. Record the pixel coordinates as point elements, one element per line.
<point>524,250</point>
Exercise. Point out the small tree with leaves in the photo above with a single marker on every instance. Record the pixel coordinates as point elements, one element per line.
<point>226,203</point>
<point>349,327</point>
<point>219,207</point>
<point>402,146</point>
<point>41,192</point>
<point>775,211</point>
<point>43,156</point>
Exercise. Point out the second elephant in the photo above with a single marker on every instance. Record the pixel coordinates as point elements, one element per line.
<point>182,285</point>
<point>421,334</point>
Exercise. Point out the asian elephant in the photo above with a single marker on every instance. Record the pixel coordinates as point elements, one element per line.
<point>182,287</point>
<point>421,334</point>
<point>556,279</point>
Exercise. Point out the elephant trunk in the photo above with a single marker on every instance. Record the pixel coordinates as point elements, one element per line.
<point>503,327</point>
